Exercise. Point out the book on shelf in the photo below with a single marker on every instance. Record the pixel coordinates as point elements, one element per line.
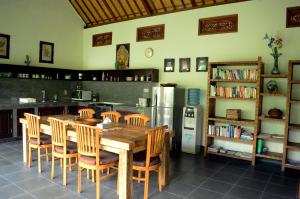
<point>233,92</point>
<point>234,74</point>
<point>230,131</point>
<point>222,150</point>
<point>268,135</point>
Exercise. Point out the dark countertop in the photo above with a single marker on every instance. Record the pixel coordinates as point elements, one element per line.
<point>16,105</point>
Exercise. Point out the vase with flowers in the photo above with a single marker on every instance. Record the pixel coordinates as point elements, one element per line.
<point>274,43</point>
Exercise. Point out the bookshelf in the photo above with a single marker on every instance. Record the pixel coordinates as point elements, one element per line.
<point>292,124</point>
<point>237,81</point>
<point>263,119</point>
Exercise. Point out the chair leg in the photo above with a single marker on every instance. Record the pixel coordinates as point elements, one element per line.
<point>146,184</point>
<point>139,176</point>
<point>159,180</point>
<point>79,180</point>
<point>29,157</point>
<point>47,154</point>
<point>61,163</point>
<point>39,160</point>
<point>93,175</point>
<point>70,164</point>
<point>65,171</point>
<point>52,166</point>
<point>88,174</point>
<point>97,183</point>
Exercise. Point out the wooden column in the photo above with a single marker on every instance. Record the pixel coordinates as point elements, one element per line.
<point>165,162</point>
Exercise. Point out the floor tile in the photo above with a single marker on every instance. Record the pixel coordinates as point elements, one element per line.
<point>50,192</point>
<point>285,191</point>
<point>280,180</point>
<point>191,179</point>
<point>164,195</point>
<point>245,193</point>
<point>24,196</point>
<point>251,183</point>
<point>257,175</point>
<point>10,191</point>
<point>34,184</point>
<point>179,188</point>
<point>272,196</point>
<point>201,193</point>
<point>216,186</point>
<point>226,177</point>
<point>4,181</point>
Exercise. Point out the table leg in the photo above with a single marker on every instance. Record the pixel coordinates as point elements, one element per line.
<point>25,142</point>
<point>125,175</point>
<point>165,166</point>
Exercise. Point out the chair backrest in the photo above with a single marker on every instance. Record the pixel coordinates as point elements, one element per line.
<point>88,140</point>
<point>137,119</point>
<point>58,132</point>
<point>33,126</point>
<point>155,142</point>
<point>86,113</point>
<point>114,116</point>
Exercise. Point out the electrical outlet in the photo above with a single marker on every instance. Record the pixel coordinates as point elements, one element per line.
<point>146,90</point>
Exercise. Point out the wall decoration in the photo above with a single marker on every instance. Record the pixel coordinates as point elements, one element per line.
<point>201,64</point>
<point>293,17</point>
<point>184,64</point>
<point>169,65</point>
<point>46,52</point>
<point>149,33</point>
<point>102,39</point>
<point>4,46</point>
<point>122,56</point>
<point>220,24</point>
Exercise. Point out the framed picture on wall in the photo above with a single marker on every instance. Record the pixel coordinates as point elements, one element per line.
<point>46,52</point>
<point>122,56</point>
<point>184,64</point>
<point>169,65</point>
<point>201,64</point>
<point>4,46</point>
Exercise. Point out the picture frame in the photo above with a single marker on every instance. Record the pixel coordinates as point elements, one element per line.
<point>293,17</point>
<point>184,64</point>
<point>201,64</point>
<point>122,56</point>
<point>169,65</point>
<point>4,46</point>
<point>46,52</point>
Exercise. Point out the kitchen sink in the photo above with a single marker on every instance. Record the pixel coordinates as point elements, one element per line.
<point>108,103</point>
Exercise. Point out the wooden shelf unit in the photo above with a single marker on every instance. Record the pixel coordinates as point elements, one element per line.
<point>290,144</point>
<point>211,116</point>
<point>262,118</point>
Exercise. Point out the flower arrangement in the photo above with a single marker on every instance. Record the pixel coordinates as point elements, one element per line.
<point>274,43</point>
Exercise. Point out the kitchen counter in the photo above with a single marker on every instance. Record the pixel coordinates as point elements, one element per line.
<point>15,105</point>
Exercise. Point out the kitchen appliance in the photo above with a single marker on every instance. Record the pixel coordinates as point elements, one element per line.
<point>166,109</point>
<point>81,95</point>
<point>144,102</point>
<point>191,129</point>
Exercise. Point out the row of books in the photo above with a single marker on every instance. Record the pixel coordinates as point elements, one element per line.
<point>230,131</point>
<point>233,92</point>
<point>235,74</point>
<point>218,149</point>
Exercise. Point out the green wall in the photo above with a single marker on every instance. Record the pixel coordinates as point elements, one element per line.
<point>30,21</point>
<point>256,18</point>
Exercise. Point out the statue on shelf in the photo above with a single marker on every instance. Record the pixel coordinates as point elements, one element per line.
<point>122,57</point>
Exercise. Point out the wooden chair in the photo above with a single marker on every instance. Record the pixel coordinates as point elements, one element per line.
<point>86,113</point>
<point>137,119</point>
<point>89,155</point>
<point>150,160</point>
<point>112,115</point>
<point>61,148</point>
<point>36,139</point>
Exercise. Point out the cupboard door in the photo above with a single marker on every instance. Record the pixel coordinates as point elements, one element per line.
<point>6,124</point>
<point>51,111</point>
<point>73,110</point>
<point>20,114</point>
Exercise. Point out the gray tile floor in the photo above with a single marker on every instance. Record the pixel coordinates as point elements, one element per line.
<point>191,177</point>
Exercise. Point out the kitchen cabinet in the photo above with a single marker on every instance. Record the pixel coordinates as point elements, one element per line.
<point>51,111</point>
<point>6,124</point>
<point>73,110</point>
<point>20,114</point>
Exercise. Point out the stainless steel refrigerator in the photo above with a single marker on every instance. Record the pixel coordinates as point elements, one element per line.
<point>167,106</point>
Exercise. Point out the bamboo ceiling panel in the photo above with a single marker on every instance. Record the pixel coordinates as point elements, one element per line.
<point>101,12</point>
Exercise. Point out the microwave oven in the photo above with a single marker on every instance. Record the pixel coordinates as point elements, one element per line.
<point>81,95</point>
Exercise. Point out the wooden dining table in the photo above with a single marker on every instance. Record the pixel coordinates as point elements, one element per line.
<point>122,139</point>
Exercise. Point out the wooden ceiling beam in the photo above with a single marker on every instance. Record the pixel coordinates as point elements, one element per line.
<point>109,9</point>
<point>173,5</point>
<point>182,3</point>
<point>123,9</point>
<point>113,5</point>
<point>81,9</point>
<point>163,5</point>
<point>104,12</point>
<point>88,9</point>
<point>96,10</point>
<point>130,8</point>
<point>203,2</point>
<point>83,19</point>
<point>193,2</point>
<point>138,7</point>
<point>147,7</point>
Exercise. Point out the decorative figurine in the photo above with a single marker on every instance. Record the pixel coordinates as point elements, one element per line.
<point>272,86</point>
<point>27,60</point>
